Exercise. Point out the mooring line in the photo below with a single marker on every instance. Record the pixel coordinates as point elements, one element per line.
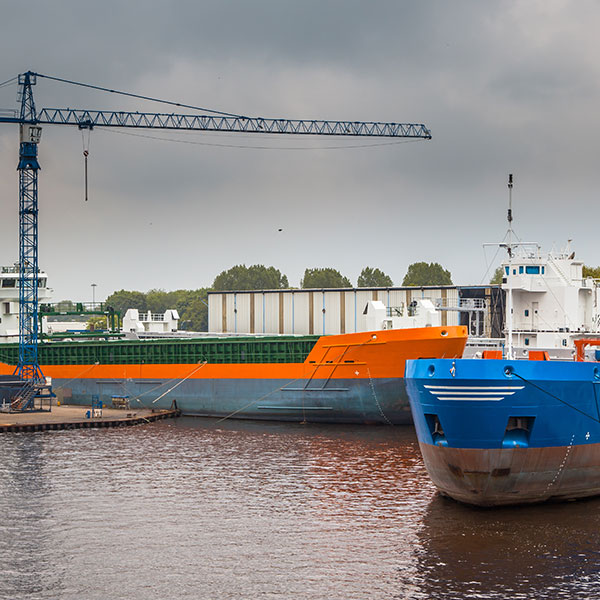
<point>78,375</point>
<point>180,382</point>
<point>235,412</point>
<point>156,387</point>
<point>556,397</point>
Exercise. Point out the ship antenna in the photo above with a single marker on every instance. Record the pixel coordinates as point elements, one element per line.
<point>509,303</point>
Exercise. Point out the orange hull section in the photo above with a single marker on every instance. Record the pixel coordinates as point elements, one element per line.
<point>380,354</point>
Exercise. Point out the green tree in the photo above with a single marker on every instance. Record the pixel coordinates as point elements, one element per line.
<point>158,300</point>
<point>190,304</point>
<point>123,299</point>
<point>96,323</point>
<point>374,278</point>
<point>497,276</point>
<point>324,278</point>
<point>422,273</point>
<point>193,310</point>
<point>254,277</point>
<point>65,305</point>
<point>591,272</point>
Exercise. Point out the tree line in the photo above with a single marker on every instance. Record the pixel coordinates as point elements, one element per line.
<point>192,305</point>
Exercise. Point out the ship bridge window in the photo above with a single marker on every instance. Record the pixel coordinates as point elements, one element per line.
<point>41,283</point>
<point>520,270</point>
<point>9,283</point>
<point>532,270</point>
<point>506,270</point>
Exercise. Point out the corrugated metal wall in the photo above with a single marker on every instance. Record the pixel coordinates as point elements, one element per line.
<point>312,311</point>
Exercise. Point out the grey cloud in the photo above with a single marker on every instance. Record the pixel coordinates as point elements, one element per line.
<point>504,86</point>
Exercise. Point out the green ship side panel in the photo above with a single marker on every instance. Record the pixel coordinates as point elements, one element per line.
<point>213,350</point>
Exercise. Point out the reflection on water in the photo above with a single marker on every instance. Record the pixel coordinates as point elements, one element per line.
<point>544,551</point>
<point>194,508</point>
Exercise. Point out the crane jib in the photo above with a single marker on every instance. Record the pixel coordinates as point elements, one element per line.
<point>104,118</point>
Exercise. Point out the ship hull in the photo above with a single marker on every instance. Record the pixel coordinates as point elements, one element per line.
<point>347,401</point>
<point>496,477</point>
<point>495,432</point>
<point>348,378</point>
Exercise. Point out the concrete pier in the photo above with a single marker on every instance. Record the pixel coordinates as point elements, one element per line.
<point>74,417</point>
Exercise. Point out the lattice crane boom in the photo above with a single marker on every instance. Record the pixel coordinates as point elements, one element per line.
<point>106,118</point>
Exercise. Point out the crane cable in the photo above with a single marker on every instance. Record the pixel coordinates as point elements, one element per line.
<point>253,147</point>
<point>129,94</point>
<point>86,151</point>
<point>8,81</point>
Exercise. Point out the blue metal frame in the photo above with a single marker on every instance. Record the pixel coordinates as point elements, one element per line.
<point>107,118</point>
<point>28,367</point>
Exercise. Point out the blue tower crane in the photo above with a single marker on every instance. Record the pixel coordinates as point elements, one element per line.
<point>30,132</point>
<point>30,122</point>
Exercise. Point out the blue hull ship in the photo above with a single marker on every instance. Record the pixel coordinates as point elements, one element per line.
<point>496,432</point>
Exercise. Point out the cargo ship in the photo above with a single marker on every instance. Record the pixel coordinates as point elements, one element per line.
<point>496,432</point>
<point>514,426</point>
<point>347,378</point>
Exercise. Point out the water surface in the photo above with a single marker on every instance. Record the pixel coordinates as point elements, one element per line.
<point>194,508</point>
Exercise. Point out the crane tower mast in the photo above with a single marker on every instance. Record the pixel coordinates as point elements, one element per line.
<point>28,367</point>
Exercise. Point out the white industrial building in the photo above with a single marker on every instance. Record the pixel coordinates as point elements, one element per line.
<point>323,311</point>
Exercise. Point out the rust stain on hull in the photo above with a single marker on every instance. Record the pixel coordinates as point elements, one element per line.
<point>494,477</point>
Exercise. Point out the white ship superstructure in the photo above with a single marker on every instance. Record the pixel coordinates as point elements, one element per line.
<point>553,303</point>
<point>9,300</point>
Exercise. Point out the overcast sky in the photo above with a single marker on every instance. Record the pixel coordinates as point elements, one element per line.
<point>504,86</point>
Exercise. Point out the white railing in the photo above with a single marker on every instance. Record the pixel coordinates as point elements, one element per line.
<point>154,317</point>
<point>13,269</point>
<point>460,303</point>
<point>395,311</point>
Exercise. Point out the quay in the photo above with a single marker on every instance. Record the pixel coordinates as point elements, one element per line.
<point>74,417</point>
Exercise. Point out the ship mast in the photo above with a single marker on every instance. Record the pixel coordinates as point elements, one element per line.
<point>509,301</point>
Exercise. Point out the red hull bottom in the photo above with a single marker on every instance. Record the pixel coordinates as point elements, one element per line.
<point>496,477</point>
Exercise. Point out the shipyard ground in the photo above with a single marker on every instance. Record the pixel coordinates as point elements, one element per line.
<point>74,417</point>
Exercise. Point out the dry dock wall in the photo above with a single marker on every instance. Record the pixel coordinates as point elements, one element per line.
<point>313,311</point>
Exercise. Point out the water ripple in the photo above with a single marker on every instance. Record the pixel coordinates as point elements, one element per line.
<point>197,509</point>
